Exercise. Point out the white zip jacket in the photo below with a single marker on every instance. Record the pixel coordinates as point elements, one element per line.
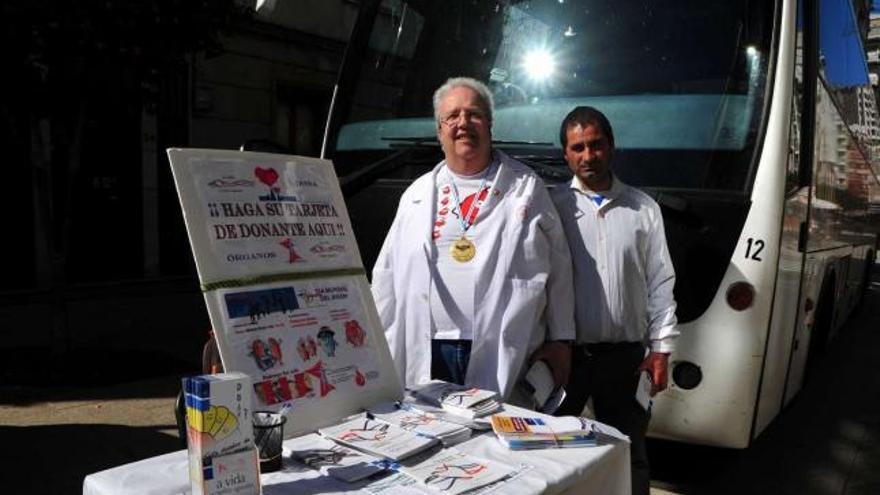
<point>523,294</point>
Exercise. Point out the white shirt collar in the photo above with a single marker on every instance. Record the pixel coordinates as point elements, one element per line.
<point>601,198</point>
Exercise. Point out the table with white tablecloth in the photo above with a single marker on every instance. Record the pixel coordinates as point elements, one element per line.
<point>603,469</point>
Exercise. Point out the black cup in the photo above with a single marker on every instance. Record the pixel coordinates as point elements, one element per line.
<point>268,434</point>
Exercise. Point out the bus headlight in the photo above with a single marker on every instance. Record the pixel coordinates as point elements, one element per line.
<point>686,375</point>
<point>740,295</point>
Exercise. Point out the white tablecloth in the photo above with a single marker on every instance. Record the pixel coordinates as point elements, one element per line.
<point>592,470</point>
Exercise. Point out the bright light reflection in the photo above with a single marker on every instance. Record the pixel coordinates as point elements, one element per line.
<point>539,64</point>
<point>751,51</point>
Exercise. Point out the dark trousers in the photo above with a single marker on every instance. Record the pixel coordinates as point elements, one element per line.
<point>608,374</point>
<point>449,360</point>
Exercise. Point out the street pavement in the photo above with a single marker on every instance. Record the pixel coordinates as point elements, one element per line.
<point>826,442</point>
<point>50,443</point>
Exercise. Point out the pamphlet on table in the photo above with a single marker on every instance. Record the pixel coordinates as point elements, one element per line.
<point>378,438</point>
<point>459,400</point>
<point>332,459</point>
<point>420,422</point>
<point>543,432</point>
<point>454,472</point>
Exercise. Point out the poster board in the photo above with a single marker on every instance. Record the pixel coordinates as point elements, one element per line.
<point>284,284</point>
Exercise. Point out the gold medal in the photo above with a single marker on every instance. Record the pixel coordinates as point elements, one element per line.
<point>463,250</point>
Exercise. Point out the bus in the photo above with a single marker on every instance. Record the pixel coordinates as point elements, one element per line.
<point>752,123</point>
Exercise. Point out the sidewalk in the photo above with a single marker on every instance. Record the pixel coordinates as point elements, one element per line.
<point>50,444</point>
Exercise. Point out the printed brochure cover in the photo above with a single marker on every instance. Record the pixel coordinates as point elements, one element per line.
<point>421,422</point>
<point>454,472</point>
<point>332,459</point>
<point>463,401</point>
<point>218,413</point>
<point>379,438</point>
<point>439,393</point>
<point>543,432</point>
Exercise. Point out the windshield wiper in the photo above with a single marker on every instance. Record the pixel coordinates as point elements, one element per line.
<point>430,141</point>
<point>367,174</point>
<point>546,171</point>
<point>520,143</point>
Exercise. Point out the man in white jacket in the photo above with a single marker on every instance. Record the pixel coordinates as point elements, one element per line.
<point>474,276</point>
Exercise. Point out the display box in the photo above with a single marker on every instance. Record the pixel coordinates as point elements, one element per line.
<point>220,434</point>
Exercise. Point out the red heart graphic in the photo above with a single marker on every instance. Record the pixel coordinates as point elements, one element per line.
<point>267,176</point>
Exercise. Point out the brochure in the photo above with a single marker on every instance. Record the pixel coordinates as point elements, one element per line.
<point>546,397</point>
<point>459,400</point>
<point>423,423</point>
<point>480,424</point>
<point>543,432</point>
<point>332,459</point>
<point>378,438</point>
<point>643,391</point>
<point>220,437</point>
<point>454,472</point>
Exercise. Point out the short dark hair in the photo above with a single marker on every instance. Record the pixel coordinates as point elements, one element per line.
<point>584,116</point>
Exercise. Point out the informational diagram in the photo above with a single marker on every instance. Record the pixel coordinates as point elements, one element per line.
<point>284,283</point>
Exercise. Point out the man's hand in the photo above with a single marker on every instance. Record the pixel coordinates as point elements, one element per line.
<point>656,363</point>
<point>558,356</point>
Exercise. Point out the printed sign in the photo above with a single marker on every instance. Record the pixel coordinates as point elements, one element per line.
<point>284,283</point>
<point>251,214</point>
<point>300,341</point>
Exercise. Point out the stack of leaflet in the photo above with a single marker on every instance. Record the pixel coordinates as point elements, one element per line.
<point>543,432</point>
<point>456,399</point>
<point>220,435</point>
<point>423,423</point>
<point>378,438</point>
<point>479,424</point>
<point>334,460</point>
<point>453,472</point>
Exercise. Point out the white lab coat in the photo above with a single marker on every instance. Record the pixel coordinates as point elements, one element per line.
<point>523,294</point>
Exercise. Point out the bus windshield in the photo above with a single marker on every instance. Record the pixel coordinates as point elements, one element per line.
<point>682,82</point>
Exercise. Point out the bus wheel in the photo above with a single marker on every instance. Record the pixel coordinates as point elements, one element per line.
<point>821,329</point>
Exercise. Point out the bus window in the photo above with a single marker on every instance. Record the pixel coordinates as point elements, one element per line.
<point>684,87</point>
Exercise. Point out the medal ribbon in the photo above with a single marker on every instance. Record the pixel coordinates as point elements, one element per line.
<point>467,223</point>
